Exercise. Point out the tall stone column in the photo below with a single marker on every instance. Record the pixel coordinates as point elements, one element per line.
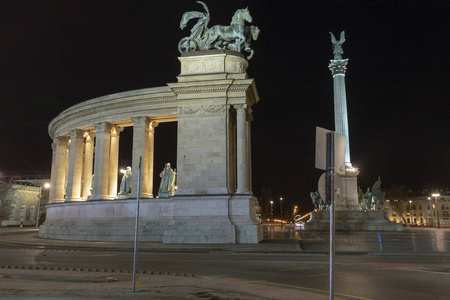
<point>147,188</point>
<point>114,161</point>
<point>53,171</point>
<point>140,143</point>
<point>73,188</point>
<point>338,68</point>
<point>249,152</point>
<point>241,147</point>
<point>101,162</point>
<point>60,169</point>
<point>88,164</point>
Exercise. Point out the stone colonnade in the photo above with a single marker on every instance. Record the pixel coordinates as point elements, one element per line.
<point>73,164</point>
<point>214,135</point>
<point>212,103</point>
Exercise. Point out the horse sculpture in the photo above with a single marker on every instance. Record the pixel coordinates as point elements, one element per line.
<point>236,36</point>
<point>250,33</point>
<point>235,32</point>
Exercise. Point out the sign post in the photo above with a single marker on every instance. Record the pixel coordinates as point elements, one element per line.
<point>136,229</point>
<point>330,156</point>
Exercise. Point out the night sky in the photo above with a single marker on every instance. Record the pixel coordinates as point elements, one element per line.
<point>55,54</point>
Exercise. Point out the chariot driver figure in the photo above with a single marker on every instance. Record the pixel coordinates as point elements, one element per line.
<point>201,26</point>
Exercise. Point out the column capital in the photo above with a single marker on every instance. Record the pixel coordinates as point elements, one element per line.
<point>338,66</point>
<point>240,107</point>
<point>89,135</point>
<point>140,121</point>
<point>62,139</point>
<point>103,126</point>
<point>76,133</point>
<point>152,125</point>
<point>116,130</point>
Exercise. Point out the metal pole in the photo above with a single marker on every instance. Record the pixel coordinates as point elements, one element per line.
<point>437,213</point>
<point>38,206</point>
<point>330,196</point>
<point>137,224</point>
<point>281,213</point>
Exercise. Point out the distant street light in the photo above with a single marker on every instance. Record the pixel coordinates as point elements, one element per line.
<point>437,209</point>
<point>410,213</point>
<point>431,213</point>
<point>281,211</point>
<point>271,210</point>
<point>45,185</point>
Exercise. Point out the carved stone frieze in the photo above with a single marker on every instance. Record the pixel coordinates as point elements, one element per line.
<point>201,110</point>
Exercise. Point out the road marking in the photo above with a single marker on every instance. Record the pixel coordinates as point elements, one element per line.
<point>323,274</point>
<point>213,276</point>
<point>294,269</point>
<point>361,264</point>
<point>425,271</point>
<point>256,281</point>
<point>315,290</point>
<point>137,284</point>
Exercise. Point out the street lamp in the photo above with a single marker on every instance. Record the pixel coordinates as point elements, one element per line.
<point>45,185</point>
<point>410,213</point>
<point>437,210</point>
<point>281,211</point>
<point>431,212</point>
<point>271,210</point>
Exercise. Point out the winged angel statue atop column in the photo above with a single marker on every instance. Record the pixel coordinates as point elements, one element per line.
<point>236,36</point>
<point>337,45</point>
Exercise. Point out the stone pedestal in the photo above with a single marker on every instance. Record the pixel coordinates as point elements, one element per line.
<point>349,198</point>
<point>175,220</point>
<point>352,221</point>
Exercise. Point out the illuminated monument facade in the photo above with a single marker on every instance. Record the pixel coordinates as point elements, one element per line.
<point>211,103</point>
<point>349,215</point>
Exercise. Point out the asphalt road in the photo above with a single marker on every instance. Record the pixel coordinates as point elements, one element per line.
<point>358,276</point>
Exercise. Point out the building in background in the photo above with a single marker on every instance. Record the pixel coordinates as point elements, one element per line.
<point>431,210</point>
<point>19,200</point>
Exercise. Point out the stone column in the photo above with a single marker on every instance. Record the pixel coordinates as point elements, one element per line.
<point>249,152</point>
<point>338,68</point>
<point>241,147</point>
<point>150,153</point>
<point>114,161</point>
<point>60,169</point>
<point>140,143</point>
<point>73,188</point>
<point>101,163</point>
<point>88,163</point>
<point>53,171</point>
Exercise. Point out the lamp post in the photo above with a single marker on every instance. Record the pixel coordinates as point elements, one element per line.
<point>410,213</point>
<point>431,212</point>
<point>437,210</point>
<point>271,210</point>
<point>45,185</point>
<point>281,211</point>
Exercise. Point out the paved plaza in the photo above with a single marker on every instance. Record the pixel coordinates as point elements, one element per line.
<point>32,275</point>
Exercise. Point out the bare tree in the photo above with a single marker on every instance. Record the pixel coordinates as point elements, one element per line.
<point>399,196</point>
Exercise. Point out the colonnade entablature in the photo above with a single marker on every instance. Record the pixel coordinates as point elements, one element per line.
<point>219,93</point>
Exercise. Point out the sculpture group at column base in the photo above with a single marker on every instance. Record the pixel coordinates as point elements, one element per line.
<point>220,219</point>
<point>352,221</point>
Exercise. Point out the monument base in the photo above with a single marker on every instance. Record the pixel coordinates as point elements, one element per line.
<point>221,219</point>
<point>352,221</point>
